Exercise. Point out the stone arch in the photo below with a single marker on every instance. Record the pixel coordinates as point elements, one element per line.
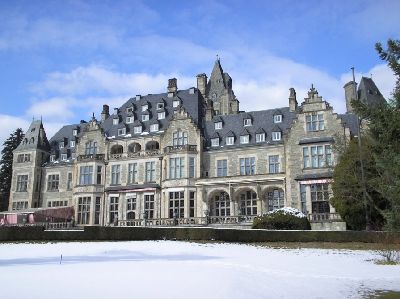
<point>117,149</point>
<point>152,145</point>
<point>130,215</point>
<point>134,147</point>
<point>247,200</point>
<point>220,203</point>
<point>273,198</point>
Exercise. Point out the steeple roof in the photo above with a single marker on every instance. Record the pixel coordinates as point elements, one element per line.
<point>35,138</point>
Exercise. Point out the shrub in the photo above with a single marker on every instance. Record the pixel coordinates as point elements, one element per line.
<point>284,219</point>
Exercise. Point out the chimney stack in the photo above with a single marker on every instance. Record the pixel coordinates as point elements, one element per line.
<point>350,94</point>
<point>292,100</point>
<point>202,83</point>
<point>172,85</point>
<point>105,113</point>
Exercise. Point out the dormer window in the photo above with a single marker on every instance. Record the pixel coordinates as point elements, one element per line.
<point>260,137</point>
<point>121,132</point>
<point>244,139</point>
<point>73,156</point>
<point>137,129</point>
<point>75,132</point>
<point>154,128</point>
<point>145,107</point>
<point>160,105</point>
<point>72,143</point>
<point>215,142</point>
<point>276,136</point>
<point>230,140</point>
<point>52,158</point>
<point>218,125</point>
<point>277,118</point>
<point>63,157</point>
<point>161,115</point>
<point>130,119</point>
<point>61,144</point>
<point>247,122</point>
<point>145,117</point>
<point>175,103</point>
<point>115,121</point>
<point>129,110</point>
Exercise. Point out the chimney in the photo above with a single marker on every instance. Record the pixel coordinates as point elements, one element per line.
<point>115,111</point>
<point>292,100</point>
<point>202,83</point>
<point>350,94</point>
<point>105,113</point>
<point>172,85</point>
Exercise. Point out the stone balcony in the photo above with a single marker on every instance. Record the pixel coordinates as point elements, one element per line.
<point>145,153</point>
<point>89,158</point>
<point>187,148</point>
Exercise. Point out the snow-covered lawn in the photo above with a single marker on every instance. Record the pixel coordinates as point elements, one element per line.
<point>168,269</point>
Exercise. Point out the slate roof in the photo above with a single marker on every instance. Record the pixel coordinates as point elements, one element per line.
<point>261,120</point>
<point>368,93</point>
<point>35,138</point>
<point>350,121</point>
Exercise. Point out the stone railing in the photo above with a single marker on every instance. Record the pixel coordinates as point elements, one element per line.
<point>146,153</point>
<point>116,156</point>
<point>84,158</point>
<point>230,219</point>
<point>187,148</point>
<point>324,217</point>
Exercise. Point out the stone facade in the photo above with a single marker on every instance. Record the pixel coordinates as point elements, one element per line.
<point>187,157</point>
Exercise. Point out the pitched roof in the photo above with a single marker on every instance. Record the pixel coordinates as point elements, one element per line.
<point>368,93</point>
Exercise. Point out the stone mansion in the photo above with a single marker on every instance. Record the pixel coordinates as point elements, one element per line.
<point>189,157</point>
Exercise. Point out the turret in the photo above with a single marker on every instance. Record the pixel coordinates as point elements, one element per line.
<point>350,94</point>
<point>292,100</point>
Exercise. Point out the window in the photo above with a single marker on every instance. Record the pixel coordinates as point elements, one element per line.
<point>315,122</point>
<point>320,198</point>
<point>160,105</point>
<point>52,158</point>
<point>176,167</point>
<point>176,204</point>
<point>275,199</point>
<point>74,132</point>
<point>131,207</point>
<point>215,141</point>
<point>221,205</point>
<point>260,137</point>
<point>115,174</point>
<point>276,136</point>
<point>19,205</point>
<point>150,172</point>
<point>317,156</point>
<point>129,110</point>
<point>69,181</point>
<point>22,183</point>
<point>97,210</point>
<point>154,128</point>
<point>52,182</point>
<point>113,209</point>
<point>218,125</point>
<point>248,203</point>
<point>176,103</point>
<point>145,117</point>
<point>83,210</point>
<point>137,129</point>
<point>244,139</point>
<point>63,157</point>
<point>130,119</point>
<point>230,140</point>
<point>23,158</point>
<point>61,144</point>
<point>149,206</point>
<point>121,132</point>
<point>222,168</point>
<point>191,167</point>
<point>98,176</point>
<point>115,121</point>
<point>247,122</point>
<point>161,115</point>
<point>191,203</point>
<point>145,107</point>
<point>86,175</point>
<point>132,173</point>
<point>247,166</point>
<point>72,143</point>
<point>180,138</point>
<point>303,198</point>
<point>277,118</point>
<point>91,148</point>
<point>273,164</point>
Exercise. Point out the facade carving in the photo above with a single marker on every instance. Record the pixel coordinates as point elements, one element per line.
<point>187,157</point>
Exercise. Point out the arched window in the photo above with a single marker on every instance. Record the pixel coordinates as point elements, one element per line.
<point>152,145</point>
<point>248,203</point>
<point>134,147</point>
<point>117,149</point>
<point>221,205</point>
<point>275,199</point>
<point>32,140</point>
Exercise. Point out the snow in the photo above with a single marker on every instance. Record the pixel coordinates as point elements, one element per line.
<point>290,211</point>
<point>172,269</point>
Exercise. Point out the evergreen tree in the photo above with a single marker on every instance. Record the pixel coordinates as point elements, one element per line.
<point>6,166</point>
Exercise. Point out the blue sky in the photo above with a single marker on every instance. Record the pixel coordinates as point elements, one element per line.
<point>63,60</point>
